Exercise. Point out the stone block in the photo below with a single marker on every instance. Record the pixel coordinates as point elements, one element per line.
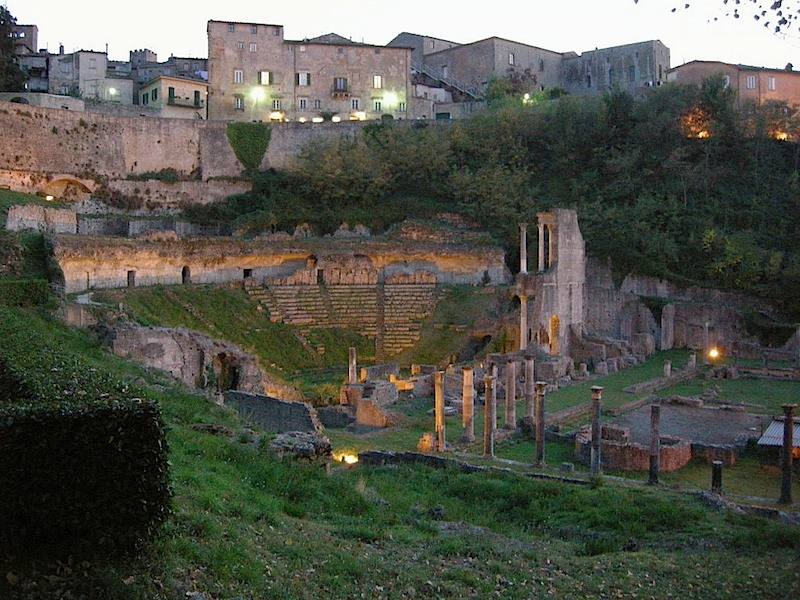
<point>272,414</point>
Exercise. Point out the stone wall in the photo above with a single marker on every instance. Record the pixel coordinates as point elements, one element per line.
<point>272,414</point>
<point>42,219</point>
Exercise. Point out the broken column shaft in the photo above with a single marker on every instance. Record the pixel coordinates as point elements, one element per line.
<point>597,397</point>
<point>511,395</point>
<point>655,443</point>
<point>493,371</point>
<point>529,383</point>
<point>541,386</point>
<point>523,322</point>
<point>352,374</point>
<point>438,409</point>
<point>468,403</point>
<point>716,476</point>
<point>523,248</point>
<point>786,455</point>
<point>488,416</point>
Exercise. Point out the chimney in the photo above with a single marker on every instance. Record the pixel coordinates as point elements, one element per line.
<point>61,48</point>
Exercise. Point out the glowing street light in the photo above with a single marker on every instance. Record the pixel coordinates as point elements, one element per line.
<point>391,99</point>
<point>257,94</point>
<point>714,353</point>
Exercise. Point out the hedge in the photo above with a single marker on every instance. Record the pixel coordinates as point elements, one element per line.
<point>249,142</point>
<point>24,292</point>
<point>83,460</point>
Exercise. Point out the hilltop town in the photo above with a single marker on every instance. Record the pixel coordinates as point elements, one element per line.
<point>323,319</point>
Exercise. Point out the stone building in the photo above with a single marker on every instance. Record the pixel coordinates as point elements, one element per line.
<point>631,68</point>
<point>26,39</point>
<point>175,97</point>
<point>144,67</point>
<point>421,45</point>
<point>29,57</point>
<point>753,84</point>
<point>256,74</point>
<point>86,73</point>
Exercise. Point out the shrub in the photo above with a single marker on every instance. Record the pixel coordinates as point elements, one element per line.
<point>249,142</point>
<point>83,460</point>
<point>24,292</point>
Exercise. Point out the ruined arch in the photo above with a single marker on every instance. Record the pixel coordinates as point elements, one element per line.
<point>186,275</point>
<point>68,187</point>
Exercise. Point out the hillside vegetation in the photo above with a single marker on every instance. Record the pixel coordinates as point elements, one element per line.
<point>681,184</point>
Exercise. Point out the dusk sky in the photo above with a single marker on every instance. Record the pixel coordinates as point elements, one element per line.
<point>176,27</point>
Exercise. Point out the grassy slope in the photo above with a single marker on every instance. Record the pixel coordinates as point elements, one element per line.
<point>248,526</point>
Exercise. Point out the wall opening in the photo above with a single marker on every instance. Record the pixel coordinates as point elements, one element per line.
<point>131,279</point>
<point>555,328</point>
<point>226,371</point>
<point>247,273</point>
<point>186,275</point>
<point>19,100</point>
<point>320,276</point>
<point>546,243</point>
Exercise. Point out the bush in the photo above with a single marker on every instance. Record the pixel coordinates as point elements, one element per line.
<point>83,460</point>
<point>24,292</point>
<point>249,142</point>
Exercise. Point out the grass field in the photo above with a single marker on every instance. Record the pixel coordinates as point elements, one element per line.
<point>247,526</point>
<point>760,395</point>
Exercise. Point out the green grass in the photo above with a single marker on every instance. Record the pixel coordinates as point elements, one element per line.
<point>9,199</point>
<point>245,525</point>
<point>762,395</point>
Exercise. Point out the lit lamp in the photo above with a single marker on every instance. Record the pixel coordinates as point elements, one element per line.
<point>336,119</point>
<point>346,458</point>
<point>714,353</point>
<point>391,99</point>
<point>49,198</point>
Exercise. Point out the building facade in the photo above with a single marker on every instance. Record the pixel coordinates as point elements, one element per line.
<point>85,73</point>
<point>175,97</point>
<point>257,75</point>
<point>752,84</point>
<point>421,45</point>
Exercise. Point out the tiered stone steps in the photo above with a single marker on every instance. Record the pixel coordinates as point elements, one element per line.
<point>265,298</point>
<point>405,307</point>
<point>354,307</point>
<point>301,305</point>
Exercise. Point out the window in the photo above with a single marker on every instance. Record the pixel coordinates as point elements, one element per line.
<point>231,27</point>
<point>340,50</point>
<point>632,73</point>
<point>302,79</point>
<point>240,45</point>
<point>197,98</point>
<point>171,93</point>
<point>611,75</point>
<point>238,102</point>
<point>727,81</point>
<point>751,82</point>
<point>444,71</point>
<point>771,84</point>
<point>253,29</point>
<point>145,98</point>
<point>302,48</point>
<point>302,103</point>
<point>92,63</point>
<point>402,107</point>
<point>340,84</point>
<point>511,59</point>
<point>276,31</point>
<point>377,82</point>
<point>154,93</point>
<point>354,103</point>
<point>276,104</point>
<point>253,47</point>
<point>589,81</point>
<point>317,103</point>
<point>265,78</point>
<point>238,76</point>
<point>377,106</point>
<point>541,65</point>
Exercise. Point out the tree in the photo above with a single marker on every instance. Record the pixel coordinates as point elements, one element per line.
<point>12,77</point>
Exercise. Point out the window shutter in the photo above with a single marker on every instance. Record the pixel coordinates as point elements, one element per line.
<point>308,79</point>
<point>297,79</point>
<point>270,78</point>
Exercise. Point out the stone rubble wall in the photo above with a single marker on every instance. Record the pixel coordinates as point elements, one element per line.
<point>41,218</point>
<point>272,414</point>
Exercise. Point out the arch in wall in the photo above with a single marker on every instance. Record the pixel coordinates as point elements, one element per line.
<point>68,187</point>
<point>226,371</point>
<point>555,329</point>
<point>186,275</point>
<point>19,100</point>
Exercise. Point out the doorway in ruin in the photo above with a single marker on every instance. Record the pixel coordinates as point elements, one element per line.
<point>247,273</point>
<point>226,371</point>
<point>186,275</point>
<point>131,279</point>
<point>555,328</point>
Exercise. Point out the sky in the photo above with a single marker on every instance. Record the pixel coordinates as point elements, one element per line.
<point>179,27</point>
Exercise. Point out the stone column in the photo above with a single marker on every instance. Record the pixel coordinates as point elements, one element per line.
<point>468,401</point>
<point>529,394</point>
<point>493,371</point>
<point>716,476</point>
<point>692,362</point>
<point>541,386</point>
<point>541,247</point>
<point>488,416</point>
<point>549,246</point>
<point>667,368</point>
<point>438,409</point>
<point>511,395</point>
<point>597,397</point>
<point>523,248</point>
<point>797,358</point>
<point>706,344</point>
<point>786,456</point>
<point>523,322</point>
<point>352,370</point>
<point>655,443</point>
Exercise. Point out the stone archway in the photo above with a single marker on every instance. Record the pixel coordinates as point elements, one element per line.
<point>67,187</point>
<point>555,330</point>
<point>186,275</point>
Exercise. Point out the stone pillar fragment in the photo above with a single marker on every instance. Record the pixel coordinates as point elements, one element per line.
<point>541,247</point>
<point>352,368</point>
<point>667,368</point>
<point>655,443</point>
<point>493,371</point>
<point>541,386</point>
<point>511,395</point>
<point>786,455</point>
<point>529,387</point>
<point>523,322</point>
<point>488,416</point>
<point>716,476</point>
<point>692,362</point>
<point>597,397</point>
<point>667,327</point>
<point>438,409</point>
<point>523,248</point>
<point>468,400</point>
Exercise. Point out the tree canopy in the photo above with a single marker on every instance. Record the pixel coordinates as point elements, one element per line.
<point>12,77</point>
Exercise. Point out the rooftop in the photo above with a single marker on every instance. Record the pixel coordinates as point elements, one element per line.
<point>773,436</point>
<point>738,66</point>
